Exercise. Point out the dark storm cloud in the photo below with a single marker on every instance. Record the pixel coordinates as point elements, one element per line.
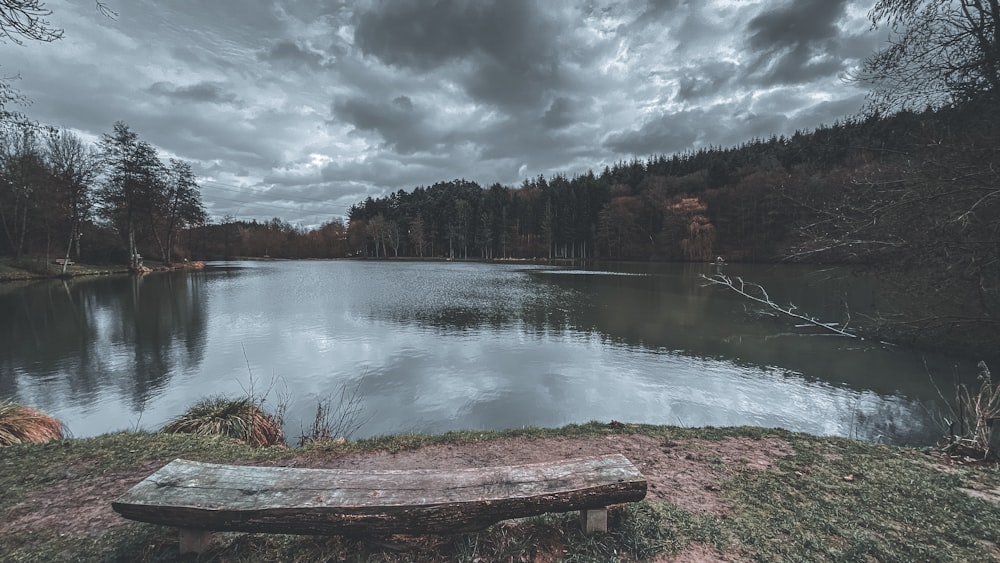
<point>797,42</point>
<point>796,22</point>
<point>206,92</point>
<point>704,80</point>
<point>561,113</point>
<point>397,122</point>
<point>501,52</point>
<point>291,53</point>
<point>664,134</point>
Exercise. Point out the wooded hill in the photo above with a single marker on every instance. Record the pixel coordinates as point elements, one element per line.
<point>913,196</point>
<point>783,198</point>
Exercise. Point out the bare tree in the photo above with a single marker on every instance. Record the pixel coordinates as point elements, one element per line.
<point>376,230</point>
<point>418,235</point>
<point>939,52</point>
<point>182,209</point>
<point>26,19</point>
<point>926,221</point>
<point>23,176</point>
<point>74,167</point>
<point>22,20</point>
<point>133,184</point>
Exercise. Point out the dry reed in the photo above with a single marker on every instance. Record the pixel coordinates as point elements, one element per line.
<point>21,424</point>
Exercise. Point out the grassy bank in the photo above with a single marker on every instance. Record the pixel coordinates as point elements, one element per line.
<point>763,495</point>
<point>36,267</point>
<point>33,268</point>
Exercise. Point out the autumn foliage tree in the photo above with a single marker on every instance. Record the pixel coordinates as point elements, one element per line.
<point>699,238</point>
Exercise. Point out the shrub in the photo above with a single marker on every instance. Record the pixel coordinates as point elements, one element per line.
<point>239,419</point>
<point>20,424</point>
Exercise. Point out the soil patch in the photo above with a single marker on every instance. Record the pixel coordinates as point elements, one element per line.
<point>684,472</point>
<point>76,506</point>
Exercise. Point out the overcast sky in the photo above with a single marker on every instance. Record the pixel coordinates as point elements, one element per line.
<point>299,108</point>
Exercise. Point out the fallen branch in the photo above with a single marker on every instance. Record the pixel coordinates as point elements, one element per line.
<point>765,299</point>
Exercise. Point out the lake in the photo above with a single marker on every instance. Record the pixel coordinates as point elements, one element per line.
<point>437,346</point>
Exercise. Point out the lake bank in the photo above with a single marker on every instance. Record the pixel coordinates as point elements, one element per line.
<point>37,268</point>
<point>715,493</point>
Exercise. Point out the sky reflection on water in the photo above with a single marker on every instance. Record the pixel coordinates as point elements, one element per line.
<point>445,346</point>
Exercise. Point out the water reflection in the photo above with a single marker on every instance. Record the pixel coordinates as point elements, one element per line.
<point>444,346</point>
<point>99,348</point>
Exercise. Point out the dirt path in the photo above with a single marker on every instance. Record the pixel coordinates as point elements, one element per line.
<point>683,472</point>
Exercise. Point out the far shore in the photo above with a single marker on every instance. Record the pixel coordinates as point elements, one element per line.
<point>37,268</point>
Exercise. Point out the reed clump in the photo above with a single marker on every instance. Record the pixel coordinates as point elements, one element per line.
<point>978,418</point>
<point>240,419</point>
<point>20,424</point>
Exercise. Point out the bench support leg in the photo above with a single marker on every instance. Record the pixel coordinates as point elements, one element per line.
<point>196,541</point>
<point>594,520</point>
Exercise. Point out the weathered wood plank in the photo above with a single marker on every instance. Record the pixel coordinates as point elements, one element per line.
<point>342,501</point>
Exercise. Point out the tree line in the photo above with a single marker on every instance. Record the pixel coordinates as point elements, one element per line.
<point>742,203</point>
<point>913,197</point>
<point>112,202</point>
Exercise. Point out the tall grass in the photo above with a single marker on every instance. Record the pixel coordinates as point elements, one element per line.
<point>338,416</point>
<point>20,424</point>
<point>979,411</point>
<point>240,419</point>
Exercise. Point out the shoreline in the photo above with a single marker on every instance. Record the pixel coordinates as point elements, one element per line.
<point>30,269</point>
<point>741,493</point>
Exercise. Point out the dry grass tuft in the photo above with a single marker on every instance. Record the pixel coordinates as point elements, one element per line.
<point>978,411</point>
<point>20,424</point>
<point>239,419</point>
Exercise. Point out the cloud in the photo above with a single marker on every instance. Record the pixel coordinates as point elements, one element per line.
<point>291,54</point>
<point>201,92</point>
<point>326,101</point>
<point>797,42</point>
<point>663,134</point>
<point>398,122</point>
<point>500,52</point>
<point>562,112</point>
<point>796,22</point>
<point>705,80</point>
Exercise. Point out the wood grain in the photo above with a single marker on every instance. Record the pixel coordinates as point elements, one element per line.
<point>286,500</point>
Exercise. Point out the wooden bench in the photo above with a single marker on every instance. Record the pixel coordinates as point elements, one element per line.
<point>201,498</point>
<point>61,261</point>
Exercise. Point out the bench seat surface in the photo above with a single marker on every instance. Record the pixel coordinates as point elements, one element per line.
<point>198,495</point>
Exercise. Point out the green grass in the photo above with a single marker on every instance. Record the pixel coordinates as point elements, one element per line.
<point>897,505</point>
<point>36,267</point>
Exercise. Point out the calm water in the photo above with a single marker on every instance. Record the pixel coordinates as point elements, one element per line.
<point>442,346</point>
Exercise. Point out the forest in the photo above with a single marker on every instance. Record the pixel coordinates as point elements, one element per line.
<point>60,197</point>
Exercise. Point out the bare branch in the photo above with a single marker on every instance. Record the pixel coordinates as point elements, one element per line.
<point>741,287</point>
<point>25,19</point>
